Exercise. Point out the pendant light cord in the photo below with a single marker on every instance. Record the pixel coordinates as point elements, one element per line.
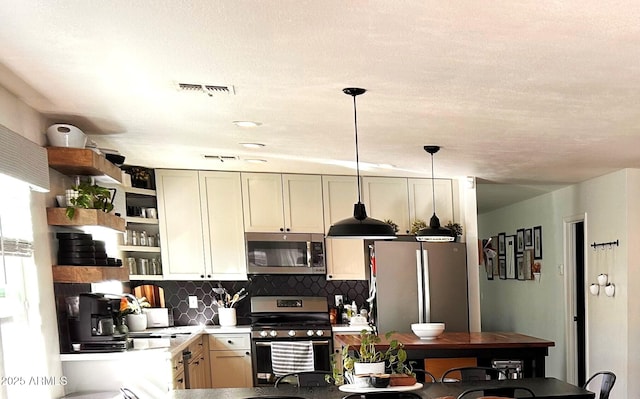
<point>355,124</point>
<point>433,186</point>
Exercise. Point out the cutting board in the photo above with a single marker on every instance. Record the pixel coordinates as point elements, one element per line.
<point>153,293</point>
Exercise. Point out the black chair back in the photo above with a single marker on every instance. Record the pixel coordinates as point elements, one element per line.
<point>608,380</point>
<point>305,379</point>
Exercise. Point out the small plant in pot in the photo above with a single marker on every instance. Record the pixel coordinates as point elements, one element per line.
<point>91,196</point>
<point>368,360</point>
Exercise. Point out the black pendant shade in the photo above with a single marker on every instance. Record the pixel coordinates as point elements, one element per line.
<point>435,232</point>
<point>360,225</point>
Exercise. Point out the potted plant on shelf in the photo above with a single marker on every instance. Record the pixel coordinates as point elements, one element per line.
<point>91,196</point>
<point>417,225</point>
<point>456,228</point>
<point>131,316</point>
<point>368,360</point>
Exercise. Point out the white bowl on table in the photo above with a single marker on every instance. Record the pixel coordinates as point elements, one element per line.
<point>427,330</point>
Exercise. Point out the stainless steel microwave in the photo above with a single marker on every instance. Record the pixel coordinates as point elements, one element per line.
<point>285,253</point>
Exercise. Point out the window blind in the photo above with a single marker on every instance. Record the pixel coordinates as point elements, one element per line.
<point>23,159</point>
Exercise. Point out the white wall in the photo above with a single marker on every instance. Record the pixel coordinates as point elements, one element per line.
<point>17,116</point>
<point>538,309</point>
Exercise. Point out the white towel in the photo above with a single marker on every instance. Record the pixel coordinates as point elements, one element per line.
<point>291,357</point>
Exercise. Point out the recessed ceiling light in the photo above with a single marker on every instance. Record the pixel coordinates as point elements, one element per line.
<point>246,123</point>
<point>254,160</point>
<point>252,145</point>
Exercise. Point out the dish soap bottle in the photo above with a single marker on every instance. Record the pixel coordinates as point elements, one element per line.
<point>354,308</point>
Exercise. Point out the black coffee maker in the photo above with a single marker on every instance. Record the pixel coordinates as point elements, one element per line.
<point>91,325</point>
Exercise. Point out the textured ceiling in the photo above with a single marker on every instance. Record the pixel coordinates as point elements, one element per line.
<point>530,93</point>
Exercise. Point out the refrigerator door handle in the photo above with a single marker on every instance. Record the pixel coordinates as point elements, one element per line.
<point>426,284</point>
<point>424,304</point>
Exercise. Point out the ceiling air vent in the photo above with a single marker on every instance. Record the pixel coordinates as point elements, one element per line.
<point>209,90</point>
<point>221,158</point>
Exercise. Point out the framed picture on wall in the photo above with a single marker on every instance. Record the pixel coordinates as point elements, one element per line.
<point>520,267</point>
<point>519,241</point>
<point>502,267</point>
<point>501,244</point>
<point>537,242</point>
<point>510,256</point>
<point>528,264</point>
<point>489,267</point>
<point>528,238</point>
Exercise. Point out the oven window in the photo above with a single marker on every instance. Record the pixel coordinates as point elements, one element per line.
<point>277,253</point>
<point>263,372</point>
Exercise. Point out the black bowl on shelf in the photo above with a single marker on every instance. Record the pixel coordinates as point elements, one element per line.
<point>115,159</point>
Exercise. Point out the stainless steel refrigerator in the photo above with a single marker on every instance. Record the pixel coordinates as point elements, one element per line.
<point>420,282</point>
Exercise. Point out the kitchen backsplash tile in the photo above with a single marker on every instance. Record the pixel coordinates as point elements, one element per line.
<point>177,293</point>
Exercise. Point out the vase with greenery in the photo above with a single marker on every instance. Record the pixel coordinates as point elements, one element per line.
<point>417,225</point>
<point>91,196</point>
<point>456,228</point>
<point>393,358</point>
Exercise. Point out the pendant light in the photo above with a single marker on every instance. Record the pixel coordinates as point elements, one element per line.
<point>434,233</point>
<point>360,226</point>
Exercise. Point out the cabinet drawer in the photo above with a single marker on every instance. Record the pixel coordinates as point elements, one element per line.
<point>229,341</point>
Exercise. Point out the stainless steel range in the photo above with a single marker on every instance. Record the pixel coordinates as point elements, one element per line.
<point>292,320</point>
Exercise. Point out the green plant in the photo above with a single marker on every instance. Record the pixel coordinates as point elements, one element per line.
<point>417,225</point>
<point>90,196</point>
<point>456,228</point>
<point>395,357</point>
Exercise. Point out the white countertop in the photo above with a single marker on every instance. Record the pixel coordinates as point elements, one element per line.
<point>165,347</point>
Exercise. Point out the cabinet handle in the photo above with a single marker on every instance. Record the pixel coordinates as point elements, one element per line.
<point>202,276</point>
<point>230,342</point>
<point>197,363</point>
<point>330,276</point>
<point>208,276</point>
<point>288,229</point>
<point>407,231</point>
<point>181,380</point>
<point>248,353</point>
<point>281,229</point>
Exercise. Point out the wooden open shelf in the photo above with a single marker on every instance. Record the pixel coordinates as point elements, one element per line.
<point>85,217</point>
<point>83,162</point>
<point>88,274</point>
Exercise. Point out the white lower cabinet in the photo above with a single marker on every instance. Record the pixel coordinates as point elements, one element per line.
<point>230,358</point>
<point>201,225</point>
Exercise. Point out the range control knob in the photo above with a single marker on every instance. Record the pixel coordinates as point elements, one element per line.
<point>273,333</point>
<point>291,333</point>
<point>319,333</point>
<point>310,333</point>
<point>263,333</point>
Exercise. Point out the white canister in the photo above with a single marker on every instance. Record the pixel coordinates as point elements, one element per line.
<point>227,316</point>
<point>63,135</point>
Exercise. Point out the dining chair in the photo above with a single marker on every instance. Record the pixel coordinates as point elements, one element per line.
<point>506,392</point>
<point>304,379</point>
<point>477,373</point>
<point>606,385</point>
<point>426,374</point>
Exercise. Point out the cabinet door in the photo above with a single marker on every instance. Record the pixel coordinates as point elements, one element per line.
<point>231,369</point>
<point>263,203</point>
<point>421,200</point>
<point>224,254</point>
<point>387,198</point>
<point>303,203</point>
<point>180,224</point>
<point>345,257</point>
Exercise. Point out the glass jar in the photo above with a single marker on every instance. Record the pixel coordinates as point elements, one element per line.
<point>135,237</point>
<point>143,238</point>
<point>132,264</point>
<point>143,266</point>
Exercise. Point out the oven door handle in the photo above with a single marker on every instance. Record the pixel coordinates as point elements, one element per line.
<point>260,343</point>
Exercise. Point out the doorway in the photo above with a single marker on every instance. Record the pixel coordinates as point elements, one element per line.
<point>576,304</point>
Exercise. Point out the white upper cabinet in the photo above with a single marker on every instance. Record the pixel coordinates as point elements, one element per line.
<point>421,200</point>
<point>345,257</point>
<point>180,224</point>
<point>221,201</point>
<point>387,198</point>
<point>201,225</point>
<point>289,203</point>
